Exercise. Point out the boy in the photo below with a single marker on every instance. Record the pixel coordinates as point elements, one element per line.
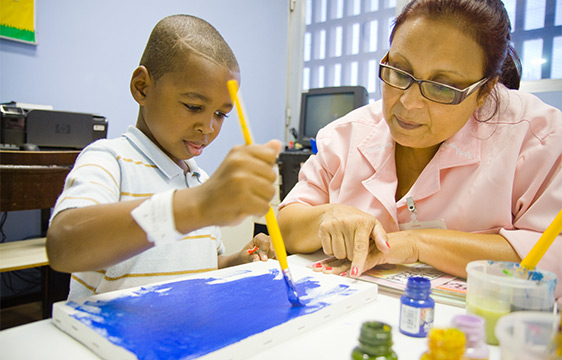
<point>138,209</point>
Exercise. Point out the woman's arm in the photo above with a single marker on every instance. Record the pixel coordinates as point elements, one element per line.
<point>447,250</point>
<point>299,224</point>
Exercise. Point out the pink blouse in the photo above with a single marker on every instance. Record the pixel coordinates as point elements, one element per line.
<point>501,176</point>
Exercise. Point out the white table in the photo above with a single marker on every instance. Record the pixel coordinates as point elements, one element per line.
<point>334,340</point>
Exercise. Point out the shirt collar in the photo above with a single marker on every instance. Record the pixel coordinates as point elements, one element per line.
<point>194,169</point>
<point>378,146</point>
<point>154,153</point>
<point>462,148</point>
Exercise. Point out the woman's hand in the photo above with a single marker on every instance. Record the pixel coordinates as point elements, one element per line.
<point>402,250</point>
<point>347,233</point>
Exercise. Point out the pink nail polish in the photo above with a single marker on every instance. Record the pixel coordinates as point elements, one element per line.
<point>354,271</point>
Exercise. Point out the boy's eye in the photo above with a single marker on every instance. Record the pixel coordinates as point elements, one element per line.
<point>193,108</point>
<point>220,115</point>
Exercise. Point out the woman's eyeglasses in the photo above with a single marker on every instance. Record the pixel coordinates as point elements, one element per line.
<point>434,91</point>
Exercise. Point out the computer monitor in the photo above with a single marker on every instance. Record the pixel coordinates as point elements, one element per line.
<point>321,106</point>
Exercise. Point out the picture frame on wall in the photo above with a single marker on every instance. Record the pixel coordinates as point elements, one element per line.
<point>17,20</point>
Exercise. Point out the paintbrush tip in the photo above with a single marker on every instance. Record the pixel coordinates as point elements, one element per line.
<point>295,301</point>
<point>291,289</point>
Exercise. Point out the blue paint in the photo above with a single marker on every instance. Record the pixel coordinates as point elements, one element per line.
<point>416,307</point>
<point>518,271</point>
<point>194,317</point>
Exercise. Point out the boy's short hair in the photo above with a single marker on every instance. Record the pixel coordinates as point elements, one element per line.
<point>176,36</point>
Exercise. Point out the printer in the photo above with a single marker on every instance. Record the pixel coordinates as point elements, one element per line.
<point>48,129</point>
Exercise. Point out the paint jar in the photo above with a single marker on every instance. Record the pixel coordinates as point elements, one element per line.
<point>527,335</point>
<point>444,344</point>
<point>375,342</point>
<point>416,307</point>
<point>497,288</point>
<point>555,347</point>
<point>473,328</point>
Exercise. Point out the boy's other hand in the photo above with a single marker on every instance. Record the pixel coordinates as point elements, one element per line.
<point>259,249</point>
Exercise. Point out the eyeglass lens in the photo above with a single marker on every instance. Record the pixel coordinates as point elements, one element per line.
<point>403,81</point>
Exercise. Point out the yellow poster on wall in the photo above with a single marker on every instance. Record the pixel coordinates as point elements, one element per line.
<point>17,20</point>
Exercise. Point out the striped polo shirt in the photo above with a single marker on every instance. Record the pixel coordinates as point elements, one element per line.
<point>127,168</point>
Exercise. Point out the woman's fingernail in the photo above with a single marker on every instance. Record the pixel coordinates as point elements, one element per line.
<point>329,268</point>
<point>343,273</point>
<point>317,265</point>
<point>387,244</point>
<point>354,271</point>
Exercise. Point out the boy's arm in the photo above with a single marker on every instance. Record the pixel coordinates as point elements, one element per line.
<point>94,237</point>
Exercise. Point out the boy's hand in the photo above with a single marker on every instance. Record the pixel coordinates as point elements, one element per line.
<point>242,185</point>
<point>259,249</point>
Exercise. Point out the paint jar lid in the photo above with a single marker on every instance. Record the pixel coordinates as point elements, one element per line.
<point>474,331</point>
<point>418,287</point>
<point>445,343</point>
<point>375,338</point>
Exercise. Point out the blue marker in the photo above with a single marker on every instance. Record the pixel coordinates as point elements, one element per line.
<point>313,145</point>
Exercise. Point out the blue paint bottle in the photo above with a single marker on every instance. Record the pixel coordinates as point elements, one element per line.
<point>416,307</point>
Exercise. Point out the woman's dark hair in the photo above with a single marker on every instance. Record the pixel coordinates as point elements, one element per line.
<point>488,24</point>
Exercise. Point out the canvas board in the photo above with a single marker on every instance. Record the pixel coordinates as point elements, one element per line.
<point>232,313</point>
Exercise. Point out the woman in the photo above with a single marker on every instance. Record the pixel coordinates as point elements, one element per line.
<point>449,167</point>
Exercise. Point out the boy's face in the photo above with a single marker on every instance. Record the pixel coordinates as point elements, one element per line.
<point>183,111</point>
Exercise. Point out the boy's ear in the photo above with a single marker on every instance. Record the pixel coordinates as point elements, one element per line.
<point>140,83</point>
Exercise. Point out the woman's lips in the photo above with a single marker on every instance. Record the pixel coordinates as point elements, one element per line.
<point>194,149</point>
<point>406,125</point>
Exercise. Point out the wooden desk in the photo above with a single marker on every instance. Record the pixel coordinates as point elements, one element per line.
<point>24,254</point>
<point>32,180</point>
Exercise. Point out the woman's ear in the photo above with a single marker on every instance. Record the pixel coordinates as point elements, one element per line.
<point>486,90</point>
<point>140,84</point>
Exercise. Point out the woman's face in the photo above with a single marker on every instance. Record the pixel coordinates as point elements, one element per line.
<point>437,51</point>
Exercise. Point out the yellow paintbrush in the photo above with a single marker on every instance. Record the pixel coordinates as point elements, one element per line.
<point>270,219</point>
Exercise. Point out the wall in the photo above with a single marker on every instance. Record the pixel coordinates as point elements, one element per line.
<point>553,98</point>
<point>87,50</point>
